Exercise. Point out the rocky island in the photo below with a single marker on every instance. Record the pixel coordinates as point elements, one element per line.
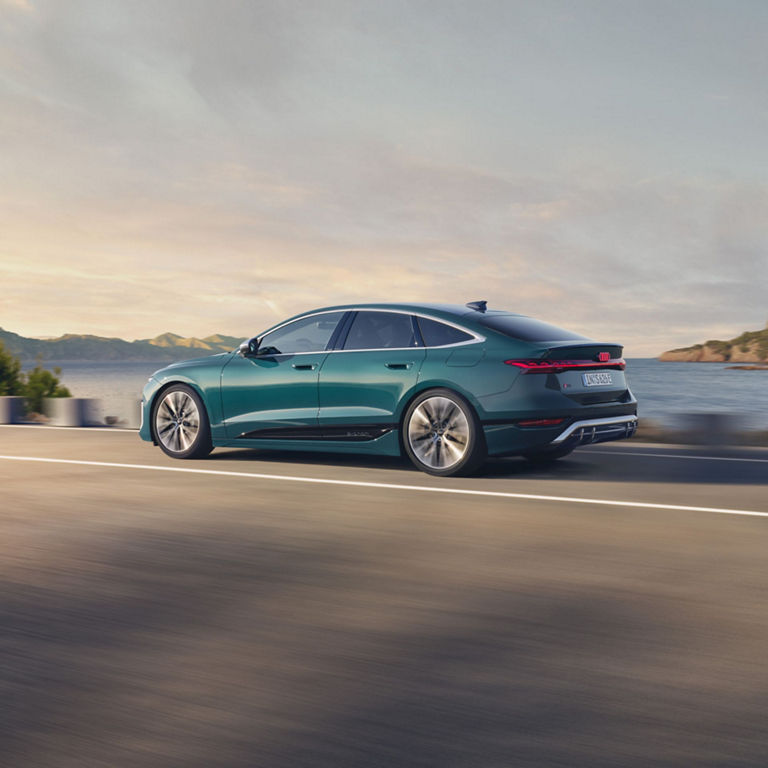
<point>749,347</point>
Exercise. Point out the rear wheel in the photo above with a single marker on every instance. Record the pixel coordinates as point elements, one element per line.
<point>180,423</point>
<point>442,434</point>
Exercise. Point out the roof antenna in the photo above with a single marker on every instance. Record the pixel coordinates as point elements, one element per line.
<point>480,306</point>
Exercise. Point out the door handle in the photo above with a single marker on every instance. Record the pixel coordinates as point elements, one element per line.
<point>304,366</point>
<point>399,366</point>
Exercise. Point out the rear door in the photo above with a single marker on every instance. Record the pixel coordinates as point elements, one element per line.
<point>363,383</point>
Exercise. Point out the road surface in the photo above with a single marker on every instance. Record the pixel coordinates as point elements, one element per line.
<point>265,609</point>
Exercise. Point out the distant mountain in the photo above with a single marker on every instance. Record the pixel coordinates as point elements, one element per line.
<point>174,340</point>
<point>749,347</point>
<point>70,346</point>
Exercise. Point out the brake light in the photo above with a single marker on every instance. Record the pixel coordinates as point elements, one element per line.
<point>540,422</point>
<point>558,366</point>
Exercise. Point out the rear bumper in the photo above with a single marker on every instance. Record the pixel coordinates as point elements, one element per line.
<point>597,431</point>
<point>616,422</point>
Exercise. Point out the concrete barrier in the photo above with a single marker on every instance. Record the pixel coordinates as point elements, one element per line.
<point>710,428</point>
<point>718,429</point>
<point>72,411</point>
<point>11,410</point>
<point>125,414</point>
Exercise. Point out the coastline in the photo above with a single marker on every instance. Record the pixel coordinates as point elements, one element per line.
<point>750,347</point>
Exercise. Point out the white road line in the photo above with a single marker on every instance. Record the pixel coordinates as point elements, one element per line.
<point>679,456</point>
<point>393,486</point>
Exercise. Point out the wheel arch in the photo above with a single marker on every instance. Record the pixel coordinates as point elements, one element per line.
<point>420,389</point>
<point>476,448</point>
<point>425,386</point>
<point>164,387</point>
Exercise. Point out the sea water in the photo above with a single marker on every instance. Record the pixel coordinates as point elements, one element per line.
<point>664,390</point>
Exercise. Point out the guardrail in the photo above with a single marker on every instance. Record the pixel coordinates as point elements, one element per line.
<point>11,410</point>
<point>72,412</point>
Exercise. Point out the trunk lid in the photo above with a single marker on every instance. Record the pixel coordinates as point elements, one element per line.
<point>588,350</point>
<point>593,379</point>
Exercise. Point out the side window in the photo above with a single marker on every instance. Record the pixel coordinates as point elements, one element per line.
<point>439,334</point>
<point>309,334</point>
<point>381,330</point>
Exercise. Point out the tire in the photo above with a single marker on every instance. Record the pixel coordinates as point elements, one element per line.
<point>547,455</point>
<point>442,434</point>
<point>180,423</point>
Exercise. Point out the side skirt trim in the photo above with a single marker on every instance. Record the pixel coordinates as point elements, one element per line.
<point>351,433</point>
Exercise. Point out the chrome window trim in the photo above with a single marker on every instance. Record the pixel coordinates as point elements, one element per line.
<point>476,337</point>
<point>261,336</point>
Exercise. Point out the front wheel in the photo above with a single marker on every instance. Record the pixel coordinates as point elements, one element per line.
<point>442,434</point>
<point>180,423</point>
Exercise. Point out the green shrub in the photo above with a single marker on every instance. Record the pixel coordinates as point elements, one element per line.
<point>10,370</point>
<point>39,383</point>
<point>33,386</point>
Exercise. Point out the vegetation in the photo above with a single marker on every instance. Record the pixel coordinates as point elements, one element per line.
<point>39,383</point>
<point>720,347</point>
<point>749,338</point>
<point>10,373</point>
<point>33,385</point>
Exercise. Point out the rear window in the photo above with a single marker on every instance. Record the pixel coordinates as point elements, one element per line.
<point>439,334</point>
<point>527,328</point>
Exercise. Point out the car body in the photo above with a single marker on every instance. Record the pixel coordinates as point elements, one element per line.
<point>431,380</point>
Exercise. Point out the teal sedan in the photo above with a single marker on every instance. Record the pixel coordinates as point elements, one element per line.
<point>447,385</point>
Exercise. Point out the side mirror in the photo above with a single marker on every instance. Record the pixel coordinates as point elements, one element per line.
<point>249,348</point>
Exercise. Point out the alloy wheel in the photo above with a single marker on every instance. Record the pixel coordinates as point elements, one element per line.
<point>177,421</point>
<point>438,433</point>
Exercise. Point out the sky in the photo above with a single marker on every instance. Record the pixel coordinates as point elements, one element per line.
<point>203,167</point>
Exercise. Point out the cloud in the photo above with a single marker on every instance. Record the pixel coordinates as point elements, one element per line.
<point>17,5</point>
<point>214,168</point>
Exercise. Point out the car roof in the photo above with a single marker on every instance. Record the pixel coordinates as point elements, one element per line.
<point>448,311</point>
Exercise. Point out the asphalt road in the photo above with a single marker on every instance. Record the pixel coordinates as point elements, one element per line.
<point>226,616</point>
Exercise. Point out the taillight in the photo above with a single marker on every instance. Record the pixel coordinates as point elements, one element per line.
<point>558,366</point>
<point>540,422</point>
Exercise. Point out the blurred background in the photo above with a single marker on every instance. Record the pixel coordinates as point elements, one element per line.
<point>179,175</point>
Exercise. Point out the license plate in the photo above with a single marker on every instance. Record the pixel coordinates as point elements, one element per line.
<point>596,379</point>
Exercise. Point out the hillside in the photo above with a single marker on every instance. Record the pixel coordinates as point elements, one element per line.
<point>166,347</point>
<point>749,347</point>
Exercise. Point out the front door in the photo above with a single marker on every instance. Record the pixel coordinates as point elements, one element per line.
<point>277,390</point>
